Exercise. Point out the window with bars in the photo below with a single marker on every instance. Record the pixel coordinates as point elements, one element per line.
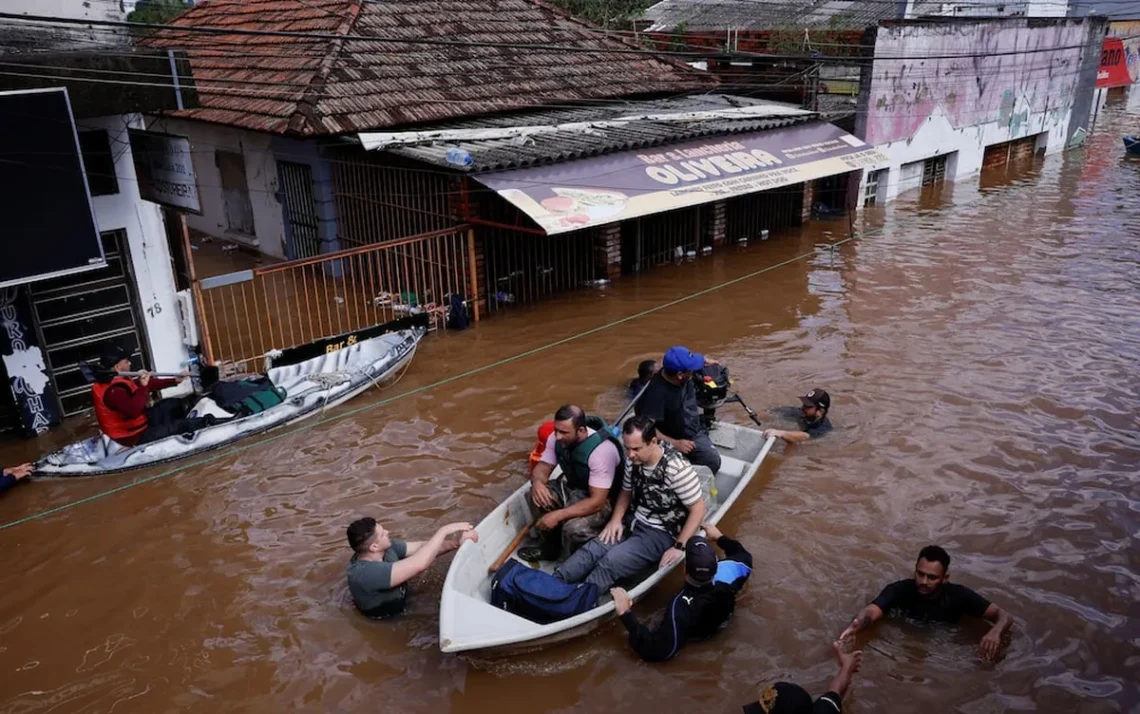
<point>871,186</point>
<point>934,170</point>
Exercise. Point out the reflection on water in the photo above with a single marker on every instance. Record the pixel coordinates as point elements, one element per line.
<point>981,347</point>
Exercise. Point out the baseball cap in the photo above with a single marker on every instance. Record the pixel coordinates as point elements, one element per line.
<point>781,698</point>
<point>682,359</point>
<point>700,559</point>
<point>817,398</point>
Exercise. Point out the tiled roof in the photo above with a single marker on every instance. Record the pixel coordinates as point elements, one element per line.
<point>707,15</point>
<point>335,84</point>
<point>575,143</point>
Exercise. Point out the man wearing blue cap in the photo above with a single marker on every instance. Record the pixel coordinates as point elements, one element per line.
<point>670,401</point>
<point>703,605</point>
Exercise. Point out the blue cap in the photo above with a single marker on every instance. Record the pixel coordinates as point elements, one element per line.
<point>681,359</point>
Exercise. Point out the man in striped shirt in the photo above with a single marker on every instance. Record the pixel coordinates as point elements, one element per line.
<point>659,509</point>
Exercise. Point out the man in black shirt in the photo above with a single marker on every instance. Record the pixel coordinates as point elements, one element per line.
<point>930,597</point>
<point>812,417</point>
<point>670,401</point>
<point>703,605</point>
<point>787,698</point>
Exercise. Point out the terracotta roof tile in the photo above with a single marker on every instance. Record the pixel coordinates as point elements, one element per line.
<point>329,85</point>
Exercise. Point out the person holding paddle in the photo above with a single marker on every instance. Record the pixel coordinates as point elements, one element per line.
<point>121,403</point>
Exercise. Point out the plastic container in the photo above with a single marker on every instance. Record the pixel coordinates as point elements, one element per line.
<point>459,157</point>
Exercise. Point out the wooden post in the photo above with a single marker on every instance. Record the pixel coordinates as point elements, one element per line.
<point>474,270</point>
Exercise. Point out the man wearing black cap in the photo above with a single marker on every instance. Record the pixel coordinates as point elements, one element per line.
<point>812,416</point>
<point>788,698</point>
<point>703,605</point>
<point>121,403</point>
<point>670,400</point>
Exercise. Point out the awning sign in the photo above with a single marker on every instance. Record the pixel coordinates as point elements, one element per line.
<point>604,189</point>
<point>165,169</point>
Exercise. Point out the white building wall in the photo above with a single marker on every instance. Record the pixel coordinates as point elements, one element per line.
<point>261,179</point>
<point>146,239</point>
<point>920,109</point>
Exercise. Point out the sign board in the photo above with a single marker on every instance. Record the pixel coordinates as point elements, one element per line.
<point>24,364</point>
<point>1113,70</point>
<point>165,169</point>
<point>49,221</point>
<point>578,194</point>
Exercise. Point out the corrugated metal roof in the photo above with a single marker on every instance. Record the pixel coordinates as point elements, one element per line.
<point>709,15</point>
<point>307,86</point>
<point>498,154</point>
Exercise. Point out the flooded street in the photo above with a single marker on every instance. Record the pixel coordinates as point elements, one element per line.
<point>982,349</point>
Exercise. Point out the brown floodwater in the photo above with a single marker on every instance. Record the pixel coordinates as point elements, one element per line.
<point>982,349</point>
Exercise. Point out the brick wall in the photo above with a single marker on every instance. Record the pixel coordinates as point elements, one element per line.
<point>714,227</point>
<point>809,199</point>
<point>607,251</point>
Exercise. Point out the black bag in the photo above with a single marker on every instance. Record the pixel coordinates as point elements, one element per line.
<point>457,313</point>
<point>247,396</point>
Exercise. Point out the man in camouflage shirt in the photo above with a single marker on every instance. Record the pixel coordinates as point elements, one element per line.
<point>659,509</point>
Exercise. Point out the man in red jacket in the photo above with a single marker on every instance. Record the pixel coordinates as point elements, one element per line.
<point>121,403</point>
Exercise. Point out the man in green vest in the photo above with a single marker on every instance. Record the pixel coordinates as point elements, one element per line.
<point>576,506</point>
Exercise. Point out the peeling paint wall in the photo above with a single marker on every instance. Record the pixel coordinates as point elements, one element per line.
<point>960,86</point>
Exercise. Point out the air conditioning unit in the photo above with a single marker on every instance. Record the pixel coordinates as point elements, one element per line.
<point>186,318</point>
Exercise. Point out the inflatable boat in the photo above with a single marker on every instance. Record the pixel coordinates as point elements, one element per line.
<point>312,378</point>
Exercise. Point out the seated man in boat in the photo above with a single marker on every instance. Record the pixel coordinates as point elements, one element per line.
<point>930,597</point>
<point>670,401</point>
<point>576,506</point>
<point>660,508</point>
<point>811,415</point>
<point>381,566</point>
<point>645,372</point>
<point>703,605</point>
<point>13,474</point>
<point>121,403</point>
<point>788,698</point>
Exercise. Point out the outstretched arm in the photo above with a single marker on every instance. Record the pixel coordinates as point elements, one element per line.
<point>425,554</point>
<point>792,437</point>
<point>660,644</point>
<point>849,664</point>
<point>867,617</point>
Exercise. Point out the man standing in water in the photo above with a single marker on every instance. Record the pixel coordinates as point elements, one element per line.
<point>812,418</point>
<point>930,597</point>
<point>670,401</point>
<point>381,567</point>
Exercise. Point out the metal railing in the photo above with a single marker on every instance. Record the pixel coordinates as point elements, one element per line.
<point>246,314</point>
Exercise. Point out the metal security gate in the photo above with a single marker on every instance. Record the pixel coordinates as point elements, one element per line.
<point>300,210</point>
<point>79,315</point>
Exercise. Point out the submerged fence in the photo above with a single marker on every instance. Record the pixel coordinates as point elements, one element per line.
<point>245,314</point>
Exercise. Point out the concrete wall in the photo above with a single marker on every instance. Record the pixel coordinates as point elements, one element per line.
<point>261,178</point>
<point>146,239</point>
<point>985,82</point>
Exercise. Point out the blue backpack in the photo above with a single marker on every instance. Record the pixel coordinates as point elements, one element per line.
<point>539,596</point>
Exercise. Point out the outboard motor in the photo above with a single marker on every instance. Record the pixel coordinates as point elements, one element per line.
<point>711,383</point>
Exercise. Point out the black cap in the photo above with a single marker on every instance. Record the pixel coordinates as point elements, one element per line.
<point>700,560</point>
<point>781,698</point>
<point>112,355</point>
<point>817,398</point>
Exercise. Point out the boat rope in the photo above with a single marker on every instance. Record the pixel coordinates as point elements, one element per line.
<point>274,436</point>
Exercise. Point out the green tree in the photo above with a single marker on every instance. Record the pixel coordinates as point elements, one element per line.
<point>157,12</point>
<point>610,14</point>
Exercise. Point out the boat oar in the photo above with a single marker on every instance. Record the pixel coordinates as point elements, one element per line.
<point>89,373</point>
<point>511,548</point>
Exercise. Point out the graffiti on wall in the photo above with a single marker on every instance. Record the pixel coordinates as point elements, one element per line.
<point>974,73</point>
<point>1129,35</point>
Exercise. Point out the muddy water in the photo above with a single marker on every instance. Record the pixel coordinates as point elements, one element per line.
<point>982,348</point>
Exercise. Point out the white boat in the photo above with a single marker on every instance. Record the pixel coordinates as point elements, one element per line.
<point>343,367</point>
<point>468,621</point>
